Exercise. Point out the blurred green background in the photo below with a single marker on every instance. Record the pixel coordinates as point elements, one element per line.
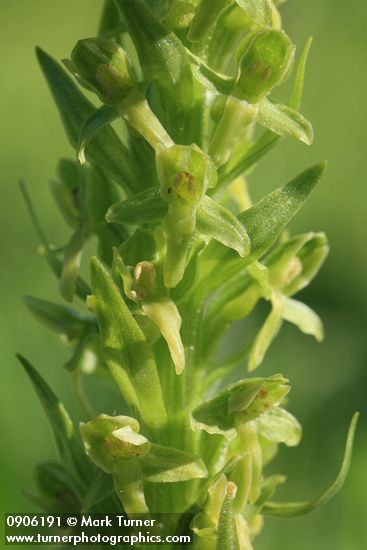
<point>329,380</point>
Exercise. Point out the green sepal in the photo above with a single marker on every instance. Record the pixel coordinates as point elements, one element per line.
<point>212,80</point>
<point>268,140</point>
<point>145,207</point>
<point>312,256</point>
<point>169,465</point>
<point>110,25</point>
<point>303,317</point>
<point>284,121</point>
<point>266,58</point>
<point>280,426</point>
<point>126,351</point>
<point>217,222</point>
<point>283,263</point>
<point>218,264</point>
<point>71,265</point>
<point>68,446</point>
<point>56,488</point>
<point>205,16</point>
<point>294,509</point>
<point>108,440</point>
<point>267,333</point>
<point>66,192</point>
<point>103,67</point>
<point>258,11</point>
<point>227,538</point>
<point>61,319</point>
<point>249,398</point>
<point>105,149</point>
<point>97,120</point>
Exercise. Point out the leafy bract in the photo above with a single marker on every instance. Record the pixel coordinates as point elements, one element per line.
<point>294,509</point>
<point>125,349</point>
<point>61,424</point>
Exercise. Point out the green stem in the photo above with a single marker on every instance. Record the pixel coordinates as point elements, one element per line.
<point>135,109</point>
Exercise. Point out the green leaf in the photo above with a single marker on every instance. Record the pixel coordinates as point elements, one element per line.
<point>139,247</point>
<point>81,287</point>
<point>217,222</point>
<point>294,509</point>
<point>303,317</point>
<point>205,16</point>
<point>258,11</point>
<point>57,488</point>
<point>297,94</point>
<point>98,119</point>
<point>262,146</point>
<point>168,465</point>
<point>100,488</point>
<point>60,318</point>
<point>100,193</point>
<point>264,223</point>
<point>145,207</point>
<point>126,351</point>
<point>214,81</point>
<point>164,61</point>
<point>227,534</point>
<point>61,424</point>
<point>284,121</point>
<point>105,149</point>
<point>110,25</point>
<point>280,426</point>
<point>267,333</point>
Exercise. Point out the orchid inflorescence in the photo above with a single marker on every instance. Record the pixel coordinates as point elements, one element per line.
<point>182,253</point>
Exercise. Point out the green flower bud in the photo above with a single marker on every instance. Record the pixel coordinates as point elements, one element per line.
<point>295,262</point>
<point>185,172</point>
<point>108,439</point>
<point>265,62</point>
<point>102,66</point>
